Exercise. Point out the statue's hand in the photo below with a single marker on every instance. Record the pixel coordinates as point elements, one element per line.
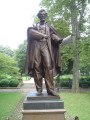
<point>60,41</point>
<point>46,36</point>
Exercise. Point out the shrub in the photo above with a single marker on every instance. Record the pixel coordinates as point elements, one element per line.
<point>66,84</point>
<point>84,82</point>
<point>3,76</point>
<point>4,83</point>
<point>69,83</point>
<point>14,83</point>
<point>66,79</point>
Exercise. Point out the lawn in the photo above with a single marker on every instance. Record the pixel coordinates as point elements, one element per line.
<point>77,104</point>
<point>8,102</point>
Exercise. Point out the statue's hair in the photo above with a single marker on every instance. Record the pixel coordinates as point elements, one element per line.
<point>40,12</point>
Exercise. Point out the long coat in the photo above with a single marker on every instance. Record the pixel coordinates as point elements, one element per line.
<point>54,50</point>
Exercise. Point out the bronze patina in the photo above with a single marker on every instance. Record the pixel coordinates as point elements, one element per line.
<point>43,59</point>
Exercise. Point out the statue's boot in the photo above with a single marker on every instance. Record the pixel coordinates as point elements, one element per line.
<point>39,93</point>
<point>53,93</point>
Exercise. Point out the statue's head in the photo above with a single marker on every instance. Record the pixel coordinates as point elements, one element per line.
<point>42,15</point>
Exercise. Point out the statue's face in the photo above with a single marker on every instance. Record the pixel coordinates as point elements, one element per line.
<point>42,16</point>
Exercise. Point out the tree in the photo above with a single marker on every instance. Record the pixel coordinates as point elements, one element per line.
<point>77,8</point>
<point>85,55</point>
<point>71,12</point>
<point>8,65</point>
<point>6,50</point>
<point>20,56</point>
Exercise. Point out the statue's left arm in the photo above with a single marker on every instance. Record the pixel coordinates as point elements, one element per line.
<point>56,39</point>
<point>54,36</point>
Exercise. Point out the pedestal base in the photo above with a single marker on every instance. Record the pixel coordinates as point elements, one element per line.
<point>43,114</point>
<point>45,107</point>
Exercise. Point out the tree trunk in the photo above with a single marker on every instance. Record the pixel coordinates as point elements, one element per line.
<point>74,22</point>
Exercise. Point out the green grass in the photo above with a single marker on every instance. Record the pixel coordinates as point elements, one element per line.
<point>66,76</point>
<point>8,103</point>
<point>85,76</point>
<point>77,104</point>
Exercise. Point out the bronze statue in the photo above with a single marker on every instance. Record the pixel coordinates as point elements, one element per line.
<point>43,59</point>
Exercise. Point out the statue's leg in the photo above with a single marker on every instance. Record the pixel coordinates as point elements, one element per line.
<point>37,70</point>
<point>46,58</point>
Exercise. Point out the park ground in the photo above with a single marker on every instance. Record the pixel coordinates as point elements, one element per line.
<point>75,104</point>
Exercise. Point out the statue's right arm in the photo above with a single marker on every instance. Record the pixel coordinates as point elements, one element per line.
<point>36,34</point>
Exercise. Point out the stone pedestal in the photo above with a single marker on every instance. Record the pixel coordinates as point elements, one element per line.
<point>45,107</point>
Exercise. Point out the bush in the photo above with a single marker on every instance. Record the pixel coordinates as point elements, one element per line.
<point>3,76</point>
<point>4,83</point>
<point>66,79</point>
<point>66,84</point>
<point>9,82</point>
<point>14,83</point>
<point>84,82</point>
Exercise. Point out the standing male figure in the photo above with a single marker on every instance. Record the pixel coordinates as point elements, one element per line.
<point>43,58</point>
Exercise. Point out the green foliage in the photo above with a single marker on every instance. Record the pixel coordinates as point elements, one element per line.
<point>3,76</point>
<point>85,55</point>
<point>7,65</point>
<point>6,50</point>
<point>8,77</point>
<point>8,103</point>
<point>66,84</point>
<point>13,83</point>
<point>4,83</point>
<point>67,59</point>
<point>66,81</point>
<point>66,77</point>
<point>20,56</point>
<point>10,82</point>
<point>56,16</point>
<point>62,27</point>
<point>85,77</point>
<point>84,82</point>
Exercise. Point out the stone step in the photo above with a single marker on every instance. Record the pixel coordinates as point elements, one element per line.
<point>34,102</point>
